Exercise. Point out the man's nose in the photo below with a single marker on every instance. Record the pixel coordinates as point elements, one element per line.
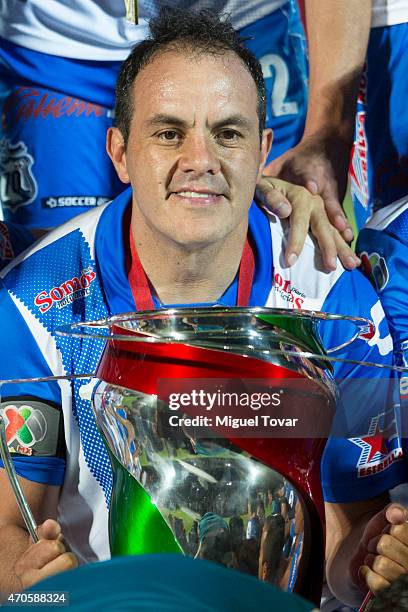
<point>198,154</point>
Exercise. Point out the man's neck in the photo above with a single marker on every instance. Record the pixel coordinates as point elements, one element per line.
<point>199,274</point>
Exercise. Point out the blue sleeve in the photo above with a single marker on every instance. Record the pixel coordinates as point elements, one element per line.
<point>21,356</point>
<point>44,470</point>
<point>23,359</point>
<point>363,457</point>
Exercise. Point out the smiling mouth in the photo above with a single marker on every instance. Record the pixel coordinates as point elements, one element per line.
<point>198,198</point>
<point>197,194</point>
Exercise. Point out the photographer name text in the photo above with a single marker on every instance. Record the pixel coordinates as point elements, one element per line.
<point>259,420</point>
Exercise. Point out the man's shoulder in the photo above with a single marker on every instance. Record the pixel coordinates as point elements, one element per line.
<point>306,284</point>
<point>383,247</point>
<point>392,219</point>
<point>56,280</point>
<point>65,243</point>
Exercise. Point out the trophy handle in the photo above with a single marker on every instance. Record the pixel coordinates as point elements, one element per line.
<point>364,328</point>
<point>22,502</point>
<point>367,603</point>
<point>15,485</point>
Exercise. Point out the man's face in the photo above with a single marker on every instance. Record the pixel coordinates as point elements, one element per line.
<point>193,156</point>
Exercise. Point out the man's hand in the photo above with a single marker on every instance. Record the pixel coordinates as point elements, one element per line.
<point>383,552</point>
<point>305,211</point>
<point>319,163</point>
<point>47,557</point>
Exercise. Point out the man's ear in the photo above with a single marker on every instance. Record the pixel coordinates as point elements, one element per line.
<point>115,148</point>
<point>266,145</point>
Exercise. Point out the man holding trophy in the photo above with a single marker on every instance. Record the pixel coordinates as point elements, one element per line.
<point>190,139</point>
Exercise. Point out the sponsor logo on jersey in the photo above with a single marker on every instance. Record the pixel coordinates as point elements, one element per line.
<point>379,450</point>
<point>24,427</point>
<point>75,288</point>
<point>358,166</point>
<point>64,201</point>
<point>30,103</point>
<point>18,186</point>
<point>288,292</point>
<point>6,250</point>
<point>375,268</point>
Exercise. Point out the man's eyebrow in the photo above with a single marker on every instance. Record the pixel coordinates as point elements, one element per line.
<point>235,120</point>
<point>163,119</point>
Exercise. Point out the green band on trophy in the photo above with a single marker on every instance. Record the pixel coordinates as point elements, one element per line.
<point>137,526</point>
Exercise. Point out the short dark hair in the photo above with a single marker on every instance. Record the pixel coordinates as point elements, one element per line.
<point>202,32</point>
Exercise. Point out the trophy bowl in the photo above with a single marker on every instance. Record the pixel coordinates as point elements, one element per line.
<point>187,479</point>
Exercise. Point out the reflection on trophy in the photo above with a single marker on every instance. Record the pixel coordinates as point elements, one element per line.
<point>250,503</point>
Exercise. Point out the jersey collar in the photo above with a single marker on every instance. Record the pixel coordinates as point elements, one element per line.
<point>112,252</point>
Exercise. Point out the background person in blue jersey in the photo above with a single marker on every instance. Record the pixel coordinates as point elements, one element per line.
<point>58,66</point>
<point>354,108</point>
<point>383,246</point>
<point>193,150</point>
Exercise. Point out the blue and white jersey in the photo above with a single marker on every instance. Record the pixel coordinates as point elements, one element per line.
<point>383,248</point>
<point>79,272</point>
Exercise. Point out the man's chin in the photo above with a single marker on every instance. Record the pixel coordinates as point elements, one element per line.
<point>192,241</point>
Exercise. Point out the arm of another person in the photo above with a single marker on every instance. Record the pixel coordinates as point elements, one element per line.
<point>306,211</point>
<point>338,34</point>
<point>366,547</point>
<point>23,563</point>
<point>367,540</point>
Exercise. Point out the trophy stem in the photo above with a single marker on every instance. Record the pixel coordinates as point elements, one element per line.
<point>22,503</point>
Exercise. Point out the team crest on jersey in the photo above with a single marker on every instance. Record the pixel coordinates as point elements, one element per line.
<point>375,269</point>
<point>24,427</point>
<point>67,292</point>
<point>358,165</point>
<point>378,450</point>
<point>18,186</point>
<point>6,250</point>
